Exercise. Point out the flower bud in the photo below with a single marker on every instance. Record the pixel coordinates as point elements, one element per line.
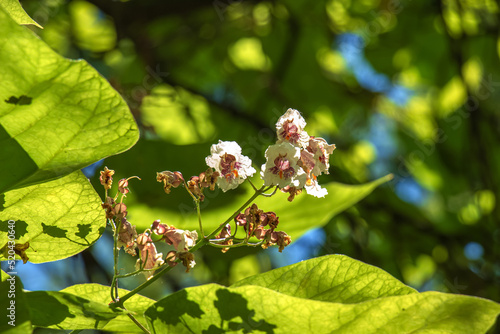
<point>120,210</point>
<point>108,205</point>
<point>123,186</point>
<point>170,179</point>
<point>149,258</point>
<point>225,233</point>
<point>195,188</point>
<point>187,259</point>
<point>209,178</point>
<point>106,178</point>
<point>283,240</point>
<point>293,191</point>
<point>171,258</point>
<point>126,237</point>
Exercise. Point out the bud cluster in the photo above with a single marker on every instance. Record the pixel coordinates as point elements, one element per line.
<point>262,225</point>
<point>127,237</point>
<point>195,185</point>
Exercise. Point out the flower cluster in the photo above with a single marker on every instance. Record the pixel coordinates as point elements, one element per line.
<point>297,159</point>
<point>293,163</point>
<point>230,164</point>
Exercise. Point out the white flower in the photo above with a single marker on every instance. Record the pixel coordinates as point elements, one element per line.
<point>313,188</point>
<point>321,150</point>
<point>290,128</point>
<point>233,167</point>
<point>187,239</point>
<point>281,168</point>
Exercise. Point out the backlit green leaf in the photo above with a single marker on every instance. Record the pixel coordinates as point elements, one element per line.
<point>59,218</point>
<point>16,11</point>
<point>333,278</point>
<point>56,115</point>
<point>137,305</point>
<point>384,305</point>
<point>61,310</point>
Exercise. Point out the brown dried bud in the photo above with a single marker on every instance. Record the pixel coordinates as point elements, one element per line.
<point>283,240</point>
<point>293,191</point>
<point>260,233</point>
<point>120,210</point>
<point>240,219</point>
<point>195,188</point>
<point>123,186</point>
<point>225,233</point>
<point>108,205</point>
<point>149,258</point>
<point>171,258</point>
<point>106,178</point>
<point>170,179</point>
<point>20,249</point>
<point>208,179</point>
<point>158,228</point>
<point>187,259</point>
<point>126,237</point>
<point>271,219</point>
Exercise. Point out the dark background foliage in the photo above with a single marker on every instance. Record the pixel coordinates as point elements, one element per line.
<point>403,87</point>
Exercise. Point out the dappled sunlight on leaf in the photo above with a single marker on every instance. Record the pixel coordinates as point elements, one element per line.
<point>54,213</point>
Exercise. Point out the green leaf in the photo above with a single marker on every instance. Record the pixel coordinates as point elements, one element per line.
<point>137,305</point>
<point>356,299</point>
<point>56,115</point>
<point>59,218</point>
<point>14,310</point>
<point>16,11</point>
<point>61,310</point>
<point>348,281</point>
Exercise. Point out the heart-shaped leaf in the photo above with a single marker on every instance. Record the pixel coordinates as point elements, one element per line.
<point>58,219</point>
<point>56,115</point>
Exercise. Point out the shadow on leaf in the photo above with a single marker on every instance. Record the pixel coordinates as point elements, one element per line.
<point>231,306</point>
<point>46,310</point>
<point>54,231</point>
<point>19,226</point>
<point>83,230</point>
<point>170,310</point>
<point>20,101</point>
<point>20,165</point>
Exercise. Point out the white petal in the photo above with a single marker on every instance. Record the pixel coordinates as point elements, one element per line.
<point>316,190</point>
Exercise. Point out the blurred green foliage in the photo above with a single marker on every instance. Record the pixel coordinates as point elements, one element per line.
<point>195,72</point>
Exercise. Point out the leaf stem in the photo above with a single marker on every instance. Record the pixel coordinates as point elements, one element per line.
<point>144,329</point>
<point>114,283</point>
<point>199,217</point>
